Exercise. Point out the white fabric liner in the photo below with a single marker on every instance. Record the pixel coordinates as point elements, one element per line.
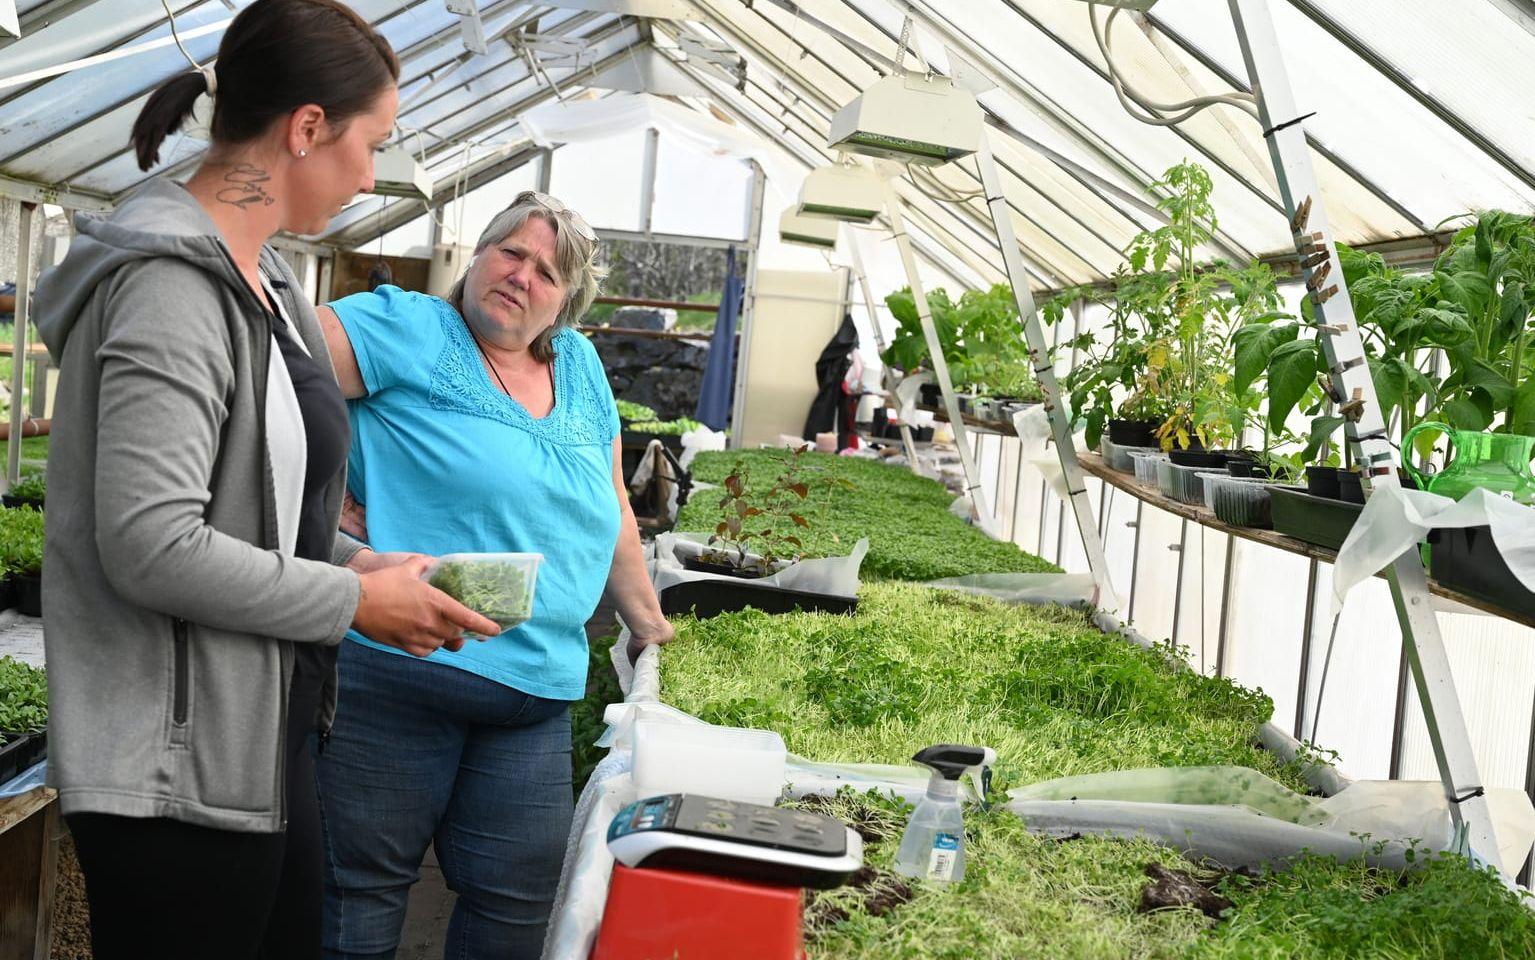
<point>1394,519</point>
<point>834,576</point>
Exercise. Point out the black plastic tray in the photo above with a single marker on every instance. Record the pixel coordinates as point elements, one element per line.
<point>20,751</point>
<point>1467,560</point>
<point>670,441</point>
<point>1316,520</point>
<point>709,598</point>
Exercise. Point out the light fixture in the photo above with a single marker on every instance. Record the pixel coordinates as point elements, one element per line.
<point>912,118</point>
<point>841,192</point>
<point>808,231</point>
<point>398,174</point>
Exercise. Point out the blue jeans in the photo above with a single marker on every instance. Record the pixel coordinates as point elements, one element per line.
<point>425,753</point>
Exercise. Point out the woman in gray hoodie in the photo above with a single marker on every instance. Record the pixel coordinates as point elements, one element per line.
<point>194,583</point>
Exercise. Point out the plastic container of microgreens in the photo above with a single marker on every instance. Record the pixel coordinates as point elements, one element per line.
<point>498,586</point>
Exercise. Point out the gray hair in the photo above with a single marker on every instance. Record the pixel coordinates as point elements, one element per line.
<point>575,259</point>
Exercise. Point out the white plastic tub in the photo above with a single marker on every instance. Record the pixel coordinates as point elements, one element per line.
<point>732,763</point>
<point>498,586</point>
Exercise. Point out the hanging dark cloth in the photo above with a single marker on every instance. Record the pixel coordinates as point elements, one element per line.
<point>717,394</point>
<point>833,407</point>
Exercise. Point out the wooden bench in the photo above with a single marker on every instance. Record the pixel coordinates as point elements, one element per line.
<point>29,854</point>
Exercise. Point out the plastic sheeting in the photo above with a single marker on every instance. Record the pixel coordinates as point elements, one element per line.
<point>1067,589</point>
<point>1240,817</point>
<point>835,576</point>
<point>1394,519</point>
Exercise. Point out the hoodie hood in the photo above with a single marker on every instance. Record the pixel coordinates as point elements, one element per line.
<point>161,219</point>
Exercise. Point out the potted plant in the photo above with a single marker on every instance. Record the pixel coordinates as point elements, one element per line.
<point>1161,373</point>
<point>982,342</point>
<point>23,717</point>
<point>21,551</point>
<point>756,534</point>
<point>30,490</point>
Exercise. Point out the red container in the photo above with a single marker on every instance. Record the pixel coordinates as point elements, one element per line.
<point>669,915</point>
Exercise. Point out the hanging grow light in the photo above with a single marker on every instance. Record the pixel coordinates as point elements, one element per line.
<point>397,174</point>
<point>910,118</point>
<point>841,193</point>
<point>809,231</point>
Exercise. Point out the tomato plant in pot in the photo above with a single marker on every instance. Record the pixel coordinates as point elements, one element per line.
<point>1160,374</point>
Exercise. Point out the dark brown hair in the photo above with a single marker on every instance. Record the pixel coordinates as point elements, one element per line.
<point>275,57</point>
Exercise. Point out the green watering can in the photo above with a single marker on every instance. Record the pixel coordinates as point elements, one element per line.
<point>1499,462</point>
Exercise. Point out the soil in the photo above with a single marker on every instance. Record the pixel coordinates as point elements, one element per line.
<point>880,892</point>
<point>71,914</point>
<point>1179,888</point>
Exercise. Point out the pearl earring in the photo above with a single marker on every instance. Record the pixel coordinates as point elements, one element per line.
<point>303,153</point>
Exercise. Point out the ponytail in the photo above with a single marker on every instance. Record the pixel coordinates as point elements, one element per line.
<point>275,57</point>
<point>168,107</point>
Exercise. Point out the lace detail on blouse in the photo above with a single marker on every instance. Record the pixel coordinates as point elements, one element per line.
<point>459,383</point>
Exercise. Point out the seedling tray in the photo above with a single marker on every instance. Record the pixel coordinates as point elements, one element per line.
<point>1466,559</point>
<point>710,598</point>
<point>1243,502</point>
<point>20,751</point>
<point>632,438</point>
<point>1318,521</point>
<point>1119,457</point>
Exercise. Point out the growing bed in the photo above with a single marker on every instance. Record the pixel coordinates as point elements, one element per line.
<point>1054,697</point>
<point>912,535</point>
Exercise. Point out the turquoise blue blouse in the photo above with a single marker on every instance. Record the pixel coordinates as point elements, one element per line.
<point>447,463</point>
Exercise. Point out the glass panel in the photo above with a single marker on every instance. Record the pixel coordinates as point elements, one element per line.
<point>700,195</point>
<point>601,178</point>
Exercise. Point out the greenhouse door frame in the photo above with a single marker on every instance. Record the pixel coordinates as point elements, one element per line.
<point>1365,428</point>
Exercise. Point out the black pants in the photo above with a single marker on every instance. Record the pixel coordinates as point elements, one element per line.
<point>171,890</point>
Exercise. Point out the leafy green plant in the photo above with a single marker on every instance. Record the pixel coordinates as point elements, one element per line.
<point>495,589</point>
<point>630,412</point>
<point>31,489</point>
<point>1168,352</point>
<point>666,428</point>
<point>586,724</point>
<point>23,696</point>
<point>912,535</point>
<point>981,338</point>
<point>21,541</point>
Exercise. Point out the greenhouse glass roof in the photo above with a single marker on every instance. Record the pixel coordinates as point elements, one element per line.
<point>1418,110</point>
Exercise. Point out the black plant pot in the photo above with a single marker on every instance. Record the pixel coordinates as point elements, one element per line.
<point>699,565</point>
<point>12,503</point>
<point>1244,467</point>
<point>7,594</point>
<point>29,594</point>
<point>878,421</point>
<point>1350,487</point>
<point>1133,433</point>
<point>930,394</point>
<point>1214,459</point>
<point>922,434</point>
<point>20,751</point>
<point>1322,482</point>
<point>1466,559</point>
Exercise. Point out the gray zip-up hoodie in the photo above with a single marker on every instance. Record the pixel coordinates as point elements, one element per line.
<point>170,604</point>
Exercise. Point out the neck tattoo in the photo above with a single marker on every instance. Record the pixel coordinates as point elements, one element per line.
<point>245,187</point>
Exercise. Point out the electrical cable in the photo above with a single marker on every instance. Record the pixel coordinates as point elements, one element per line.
<point>940,191</point>
<point>1135,102</point>
<point>175,35</point>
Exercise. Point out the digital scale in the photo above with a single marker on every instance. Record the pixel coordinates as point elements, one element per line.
<point>746,841</point>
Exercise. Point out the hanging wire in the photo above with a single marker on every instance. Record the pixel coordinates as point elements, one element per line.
<point>937,189</point>
<point>175,35</point>
<point>1135,102</point>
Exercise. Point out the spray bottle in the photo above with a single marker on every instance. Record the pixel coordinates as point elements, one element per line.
<point>933,846</point>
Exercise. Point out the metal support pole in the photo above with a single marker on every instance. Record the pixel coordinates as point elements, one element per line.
<point>748,303</point>
<point>1337,329</point>
<point>19,357</point>
<point>1044,370</point>
<point>935,352</point>
<point>648,179</point>
<point>545,169</point>
<point>886,378</point>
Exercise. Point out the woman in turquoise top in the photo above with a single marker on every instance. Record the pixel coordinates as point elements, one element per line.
<point>481,423</point>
